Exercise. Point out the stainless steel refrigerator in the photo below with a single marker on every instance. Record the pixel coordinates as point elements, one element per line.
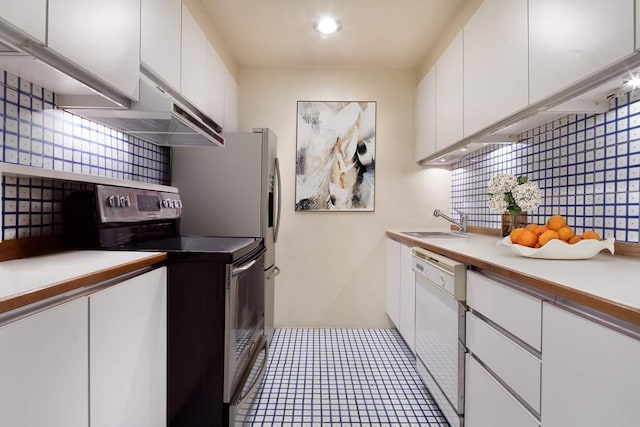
<point>233,191</point>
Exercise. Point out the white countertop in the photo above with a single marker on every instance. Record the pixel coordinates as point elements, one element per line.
<point>612,278</point>
<point>22,276</point>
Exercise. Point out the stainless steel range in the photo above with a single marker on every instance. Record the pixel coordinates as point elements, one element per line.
<point>217,351</point>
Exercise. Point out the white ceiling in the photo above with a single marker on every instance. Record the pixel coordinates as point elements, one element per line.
<point>375,33</point>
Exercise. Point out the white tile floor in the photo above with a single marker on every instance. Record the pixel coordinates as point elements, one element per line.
<point>342,377</point>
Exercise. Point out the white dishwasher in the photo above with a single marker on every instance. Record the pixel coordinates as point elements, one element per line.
<point>440,330</point>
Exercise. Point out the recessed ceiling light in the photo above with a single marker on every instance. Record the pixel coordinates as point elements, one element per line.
<point>443,160</point>
<point>463,149</point>
<point>633,81</point>
<point>327,26</point>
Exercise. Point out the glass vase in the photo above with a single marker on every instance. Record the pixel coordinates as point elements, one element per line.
<point>511,221</point>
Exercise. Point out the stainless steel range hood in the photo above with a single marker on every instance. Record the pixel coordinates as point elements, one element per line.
<point>158,117</point>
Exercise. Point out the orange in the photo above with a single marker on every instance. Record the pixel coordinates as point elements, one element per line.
<point>548,235</point>
<point>590,234</point>
<point>538,245</point>
<point>540,229</point>
<point>532,227</point>
<point>565,233</point>
<point>575,239</point>
<point>527,238</point>
<point>556,222</point>
<point>514,234</point>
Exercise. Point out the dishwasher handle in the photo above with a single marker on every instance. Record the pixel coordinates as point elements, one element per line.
<point>454,284</point>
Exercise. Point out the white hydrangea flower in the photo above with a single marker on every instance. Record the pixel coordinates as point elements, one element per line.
<point>497,203</point>
<point>502,183</point>
<point>527,196</point>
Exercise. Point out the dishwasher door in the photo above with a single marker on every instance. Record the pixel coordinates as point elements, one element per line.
<point>440,321</point>
<point>438,318</point>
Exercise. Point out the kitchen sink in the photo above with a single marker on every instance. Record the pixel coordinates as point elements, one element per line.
<point>428,234</point>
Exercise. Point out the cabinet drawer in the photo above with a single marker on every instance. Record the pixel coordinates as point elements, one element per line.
<point>489,404</point>
<point>518,313</point>
<point>515,366</point>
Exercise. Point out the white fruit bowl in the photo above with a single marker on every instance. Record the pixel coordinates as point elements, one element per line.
<point>557,249</point>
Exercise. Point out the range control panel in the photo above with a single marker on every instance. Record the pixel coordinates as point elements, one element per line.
<point>125,204</point>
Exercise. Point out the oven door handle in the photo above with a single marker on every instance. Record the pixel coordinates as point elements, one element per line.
<point>240,399</point>
<point>247,265</point>
<point>244,267</point>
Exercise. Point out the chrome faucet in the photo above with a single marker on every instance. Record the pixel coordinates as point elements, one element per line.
<point>463,219</point>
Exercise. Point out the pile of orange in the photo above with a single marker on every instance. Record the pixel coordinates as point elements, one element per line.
<point>536,236</point>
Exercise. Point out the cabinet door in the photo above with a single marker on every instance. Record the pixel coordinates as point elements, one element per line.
<point>127,353</point>
<point>570,39</point>
<point>426,116</point>
<point>590,373</point>
<point>44,368</point>
<point>29,16</point>
<point>393,281</point>
<point>215,85</point>
<point>230,103</point>
<point>407,297</point>
<point>160,45</point>
<point>103,37</point>
<point>449,97</point>
<point>495,63</point>
<point>193,81</point>
<point>637,24</point>
<point>488,403</point>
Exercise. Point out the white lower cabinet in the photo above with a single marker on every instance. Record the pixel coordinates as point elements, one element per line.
<point>393,281</point>
<point>401,290</point>
<point>590,373</point>
<point>98,360</point>
<point>128,329</point>
<point>44,368</point>
<point>489,404</point>
<point>518,368</point>
<point>407,297</point>
<point>503,334</point>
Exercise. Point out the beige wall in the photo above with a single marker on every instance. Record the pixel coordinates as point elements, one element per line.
<point>333,263</point>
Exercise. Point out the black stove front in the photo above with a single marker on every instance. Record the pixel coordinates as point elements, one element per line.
<point>215,298</point>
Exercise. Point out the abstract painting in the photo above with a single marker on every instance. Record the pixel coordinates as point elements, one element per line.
<point>335,158</point>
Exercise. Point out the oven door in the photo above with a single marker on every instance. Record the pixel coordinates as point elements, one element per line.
<point>244,320</point>
<point>243,401</point>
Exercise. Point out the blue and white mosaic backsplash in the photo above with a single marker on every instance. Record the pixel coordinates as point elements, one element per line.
<point>587,166</point>
<point>34,133</point>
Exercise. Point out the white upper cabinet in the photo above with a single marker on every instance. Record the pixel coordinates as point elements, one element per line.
<point>193,80</point>
<point>637,24</point>
<point>215,85</point>
<point>230,103</point>
<point>30,16</point>
<point>102,37</point>
<point>449,97</point>
<point>495,63</point>
<point>425,111</point>
<point>160,43</point>
<point>571,39</point>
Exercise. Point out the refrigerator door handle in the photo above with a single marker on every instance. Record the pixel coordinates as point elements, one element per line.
<point>278,178</point>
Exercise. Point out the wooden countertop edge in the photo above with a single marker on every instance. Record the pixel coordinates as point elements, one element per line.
<point>615,309</point>
<point>36,295</point>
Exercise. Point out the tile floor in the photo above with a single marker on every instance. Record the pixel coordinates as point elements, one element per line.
<point>342,377</point>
